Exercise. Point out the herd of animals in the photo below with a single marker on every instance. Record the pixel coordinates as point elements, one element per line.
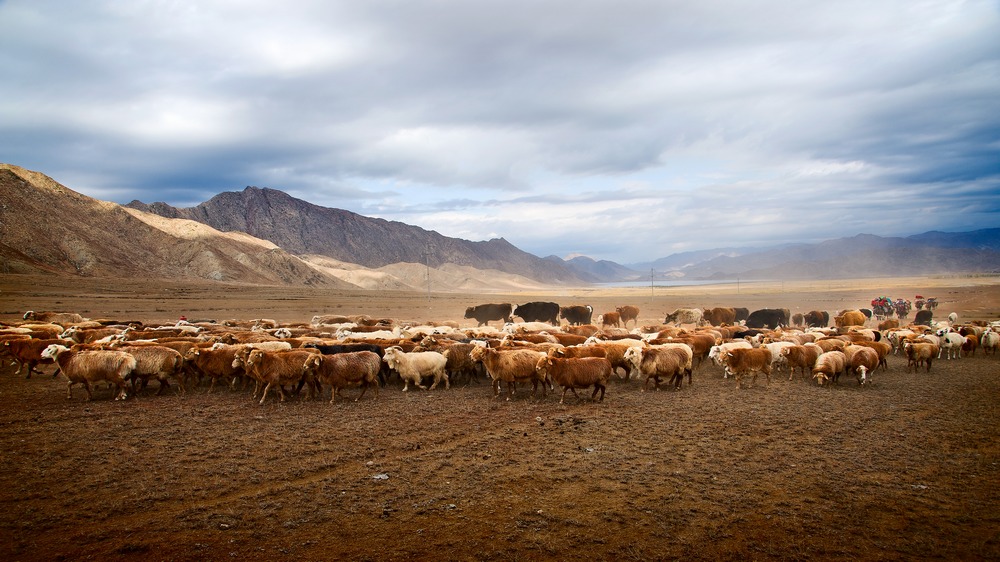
<point>548,346</point>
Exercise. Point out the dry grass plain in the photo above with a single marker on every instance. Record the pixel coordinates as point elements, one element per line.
<point>906,469</point>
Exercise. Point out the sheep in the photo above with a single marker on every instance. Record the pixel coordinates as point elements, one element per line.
<point>511,366</point>
<point>89,335</point>
<point>460,361</point>
<point>716,352</point>
<point>802,357</point>
<point>610,319</point>
<point>615,352</point>
<point>574,373</point>
<point>342,370</point>
<point>155,361</point>
<point>215,363</point>
<point>828,366</point>
<point>919,353</point>
<point>777,358</point>
<point>831,344</point>
<point>61,318</point>
<point>861,360</point>
<point>951,342</point>
<point>743,361</point>
<point>970,345</point>
<point>880,347</point>
<point>412,367</point>
<point>628,313</point>
<point>92,366</point>
<point>656,362</point>
<point>990,342</point>
<point>29,352</point>
<point>276,368</point>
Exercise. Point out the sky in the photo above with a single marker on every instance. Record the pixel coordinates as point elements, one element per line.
<point>621,130</point>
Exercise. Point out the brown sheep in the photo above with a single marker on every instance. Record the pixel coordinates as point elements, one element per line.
<point>277,368</point>
<point>214,363</point>
<point>460,362</point>
<point>919,353</point>
<point>861,361</point>
<point>611,319</point>
<point>628,313</point>
<point>29,352</point>
<point>343,370</point>
<point>656,362</point>
<point>86,367</point>
<point>574,373</point>
<point>511,366</point>
<point>62,318</point>
<point>883,349</point>
<point>740,362</point>
<point>802,357</point>
<point>578,351</point>
<point>155,361</point>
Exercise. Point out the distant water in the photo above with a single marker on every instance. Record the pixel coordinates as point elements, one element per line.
<point>678,283</point>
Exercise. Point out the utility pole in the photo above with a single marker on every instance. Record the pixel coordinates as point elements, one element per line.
<point>651,286</point>
<point>427,264</point>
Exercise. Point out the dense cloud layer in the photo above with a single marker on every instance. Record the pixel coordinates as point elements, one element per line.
<point>621,130</point>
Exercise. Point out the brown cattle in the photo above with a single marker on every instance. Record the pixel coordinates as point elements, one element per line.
<point>720,315</point>
<point>850,318</point>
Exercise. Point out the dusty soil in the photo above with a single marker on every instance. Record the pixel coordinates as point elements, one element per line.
<point>906,469</point>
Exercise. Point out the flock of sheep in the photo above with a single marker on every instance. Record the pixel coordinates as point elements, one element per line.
<point>337,352</point>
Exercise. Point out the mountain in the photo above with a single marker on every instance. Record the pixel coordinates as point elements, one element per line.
<point>863,255</point>
<point>46,227</point>
<point>600,271</point>
<point>304,228</point>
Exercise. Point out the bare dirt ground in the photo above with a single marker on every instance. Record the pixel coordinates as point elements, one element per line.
<point>906,469</point>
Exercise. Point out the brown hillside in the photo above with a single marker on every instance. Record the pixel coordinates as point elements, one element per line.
<point>46,227</point>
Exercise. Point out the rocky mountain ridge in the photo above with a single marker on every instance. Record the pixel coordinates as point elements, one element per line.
<point>304,228</point>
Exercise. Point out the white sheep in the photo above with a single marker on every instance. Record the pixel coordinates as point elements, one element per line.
<point>412,367</point>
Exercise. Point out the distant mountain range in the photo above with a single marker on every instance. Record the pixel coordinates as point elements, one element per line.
<point>300,227</point>
<point>262,235</point>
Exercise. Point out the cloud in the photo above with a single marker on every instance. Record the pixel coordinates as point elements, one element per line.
<point>622,131</point>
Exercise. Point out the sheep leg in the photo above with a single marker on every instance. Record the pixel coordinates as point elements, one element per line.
<point>264,396</point>
<point>86,386</point>
<point>364,389</point>
<point>602,388</point>
<point>69,390</point>
<point>563,397</point>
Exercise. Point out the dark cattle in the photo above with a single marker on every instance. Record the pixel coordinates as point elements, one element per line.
<point>741,313</point>
<point>538,311</point>
<point>577,314</point>
<point>924,317</point>
<point>768,318</point>
<point>484,313</point>
<point>817,318</point>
